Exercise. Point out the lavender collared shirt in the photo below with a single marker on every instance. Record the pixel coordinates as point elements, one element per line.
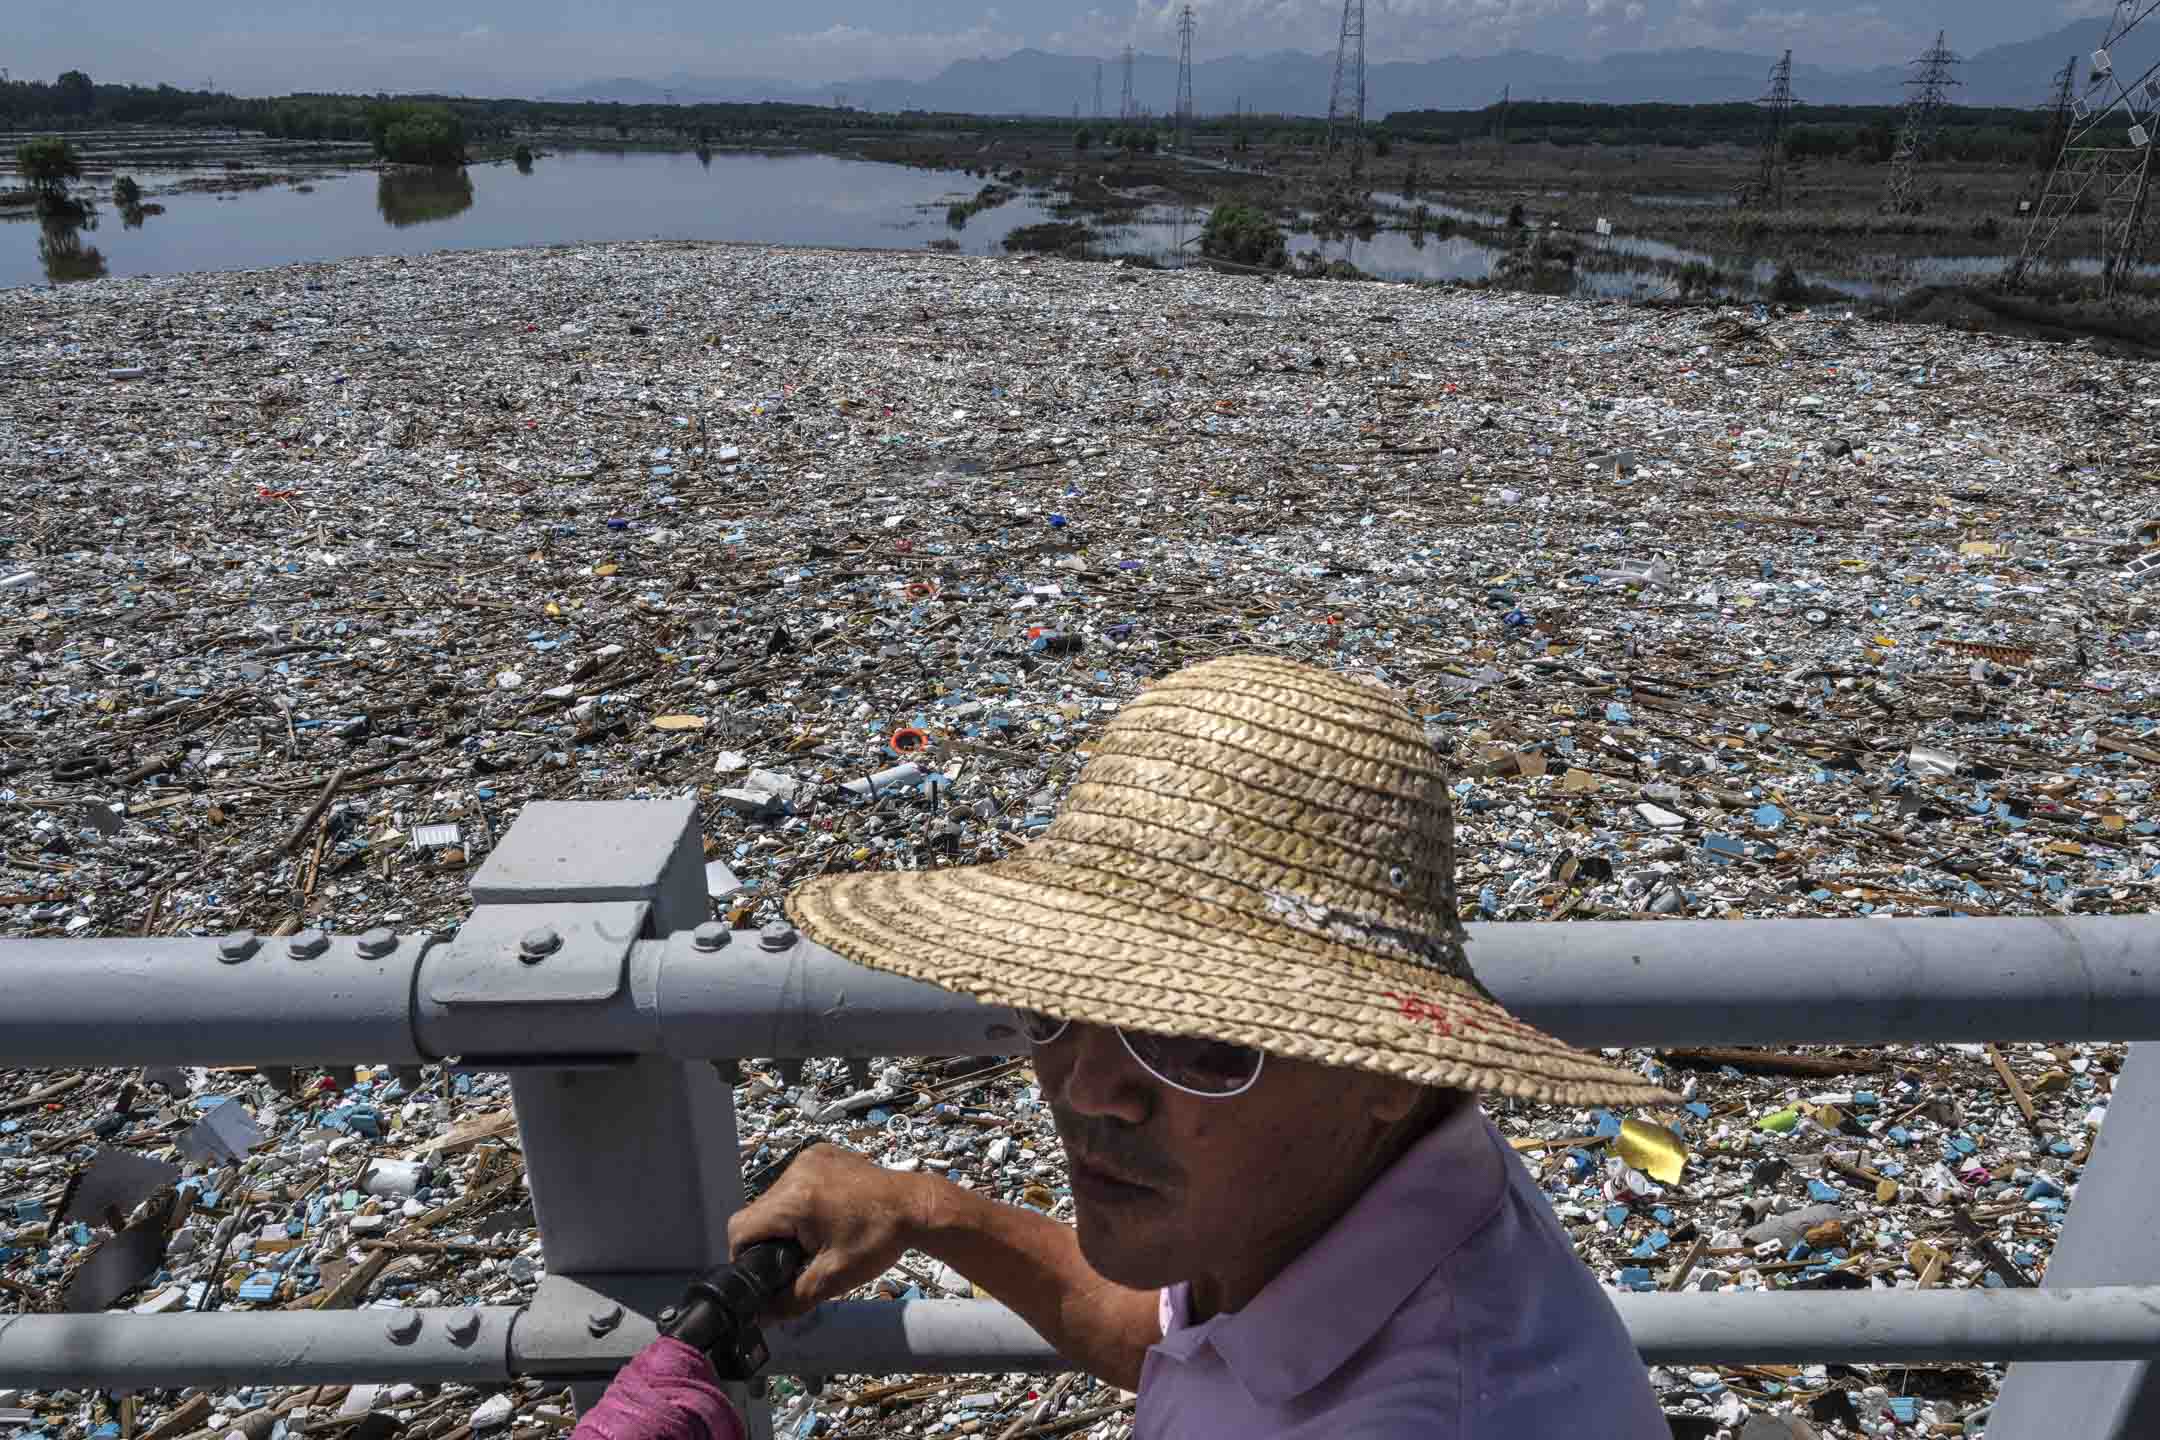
<point>1446,1304</point>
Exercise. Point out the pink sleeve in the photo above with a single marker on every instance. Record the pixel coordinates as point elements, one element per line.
<point>669,1392</point>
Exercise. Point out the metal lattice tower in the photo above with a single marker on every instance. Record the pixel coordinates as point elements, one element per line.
<point>2107,162</point>
<point>1923,124</point>
<point>1346,104</point>
<point>1184,79</point>
<point>1779,102</point>
<point>1125,105</point>
<point>1098,90</point>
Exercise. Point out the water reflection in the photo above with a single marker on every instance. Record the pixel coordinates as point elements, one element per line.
<point>420,197</point>
<point>62,252</point>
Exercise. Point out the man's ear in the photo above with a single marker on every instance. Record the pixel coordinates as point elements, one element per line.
<point>1392,1101</point>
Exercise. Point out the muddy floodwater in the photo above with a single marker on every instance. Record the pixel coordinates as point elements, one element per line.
<point>236,203</point>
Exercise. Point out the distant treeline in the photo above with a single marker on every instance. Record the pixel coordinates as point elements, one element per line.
<point>1862,132</point>
<point>75,102</point>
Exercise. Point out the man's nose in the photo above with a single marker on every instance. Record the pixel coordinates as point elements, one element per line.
<point>1090,1072</point>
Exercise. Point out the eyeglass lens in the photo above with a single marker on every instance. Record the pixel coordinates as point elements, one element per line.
<point>1204,1067</point>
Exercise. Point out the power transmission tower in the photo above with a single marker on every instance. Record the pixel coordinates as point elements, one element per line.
<point>1098,90</point>
<point>1923,124</point>
<point>1779,102</point>
<point>2107,161</point>
<point>2058,104</point>
<point>1125,106</point>
<point>1507,93</point>
<point>1346,105</point>
<point>1184,79</point>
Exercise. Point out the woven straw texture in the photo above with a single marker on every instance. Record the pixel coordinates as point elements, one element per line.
<point>1259,852</point>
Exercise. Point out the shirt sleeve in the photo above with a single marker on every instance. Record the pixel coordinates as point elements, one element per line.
<point>669,1392</point>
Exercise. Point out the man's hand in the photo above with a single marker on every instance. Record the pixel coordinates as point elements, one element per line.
<point>853,1219</point>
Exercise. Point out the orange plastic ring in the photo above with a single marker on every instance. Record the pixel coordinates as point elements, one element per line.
<point>909,741</point>
<point>921,590</point>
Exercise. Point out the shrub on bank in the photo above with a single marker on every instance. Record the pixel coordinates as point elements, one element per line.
<point>1245,235</point>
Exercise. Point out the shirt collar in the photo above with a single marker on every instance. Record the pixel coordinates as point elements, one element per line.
<point>1324,1307</point>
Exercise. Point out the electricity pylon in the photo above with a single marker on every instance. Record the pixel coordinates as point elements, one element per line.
<point>1779,103</point>
<point>1184,80</point>
<point>2107,162</point>
<point>1346,104</point>
<point>1929,88</point>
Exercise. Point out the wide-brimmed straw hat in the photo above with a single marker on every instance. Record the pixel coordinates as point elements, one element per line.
<point>1259,852</point>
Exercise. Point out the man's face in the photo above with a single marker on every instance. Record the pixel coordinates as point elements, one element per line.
<point>1220,1192</point>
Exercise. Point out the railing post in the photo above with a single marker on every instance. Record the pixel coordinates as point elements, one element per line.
<point>633,1166</point>
<point>2107,1239</point>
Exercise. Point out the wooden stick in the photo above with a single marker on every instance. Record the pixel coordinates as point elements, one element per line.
<point>2017,1091</point>
<point>150,920</point>
<point>38,1097</point>
<point>1079,1420</point>
<point>315,811</point>
<point>314,864</point>
<point>192,1412</point>
<point>1041,1407</point>
<point>1686,1267</point>
<point>442,1247</point>
<point>1998,1262</point>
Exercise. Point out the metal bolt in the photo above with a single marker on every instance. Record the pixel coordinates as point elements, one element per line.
<point>308,944</point>
<point>403,1329</point>
<point>462,1326</point>
<point>667,1316</point>
<point>777,936</point>
<point>712,935</point>
<point>238,946</point>
<point>600,1321</point>
<point>378,942</point>
<point>539,944</point>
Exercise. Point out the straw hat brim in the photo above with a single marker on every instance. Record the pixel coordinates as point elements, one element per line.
<point>1110,948</point>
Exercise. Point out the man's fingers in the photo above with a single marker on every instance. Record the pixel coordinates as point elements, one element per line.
<point>766,1222</point>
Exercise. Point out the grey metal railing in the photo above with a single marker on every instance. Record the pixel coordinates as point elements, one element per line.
<point>589,972</point>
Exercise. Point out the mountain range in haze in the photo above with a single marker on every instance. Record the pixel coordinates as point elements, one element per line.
<point>1035,82</point>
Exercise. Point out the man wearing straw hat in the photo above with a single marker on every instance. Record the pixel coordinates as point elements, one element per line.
<point>1236,957</point>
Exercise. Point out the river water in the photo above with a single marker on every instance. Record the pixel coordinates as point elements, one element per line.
<point>572,197</point>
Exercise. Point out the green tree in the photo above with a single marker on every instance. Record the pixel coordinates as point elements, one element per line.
<point>523,159</point>
<point>126,193</point>
<point>76,94</point>
<point>49,164</point>
<point>1082,138</point>
<point>1244,234</point>
<point>413,134</point>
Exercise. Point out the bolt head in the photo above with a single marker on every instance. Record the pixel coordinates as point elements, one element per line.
<point>462,1326</point>
<point>238,946</point>
<point>403,1329</point>
<point>777,936</point>
<point>667,1316</point>
<point>712,935</point>
<point>308,944</point>
<point>604,1319</point>
<point>538,944</point>
<point>378,942</point>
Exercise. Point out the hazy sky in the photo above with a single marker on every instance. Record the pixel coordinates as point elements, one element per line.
<point>528,46</point>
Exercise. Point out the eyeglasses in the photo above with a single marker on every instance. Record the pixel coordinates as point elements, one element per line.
<point>1207,1068</point>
